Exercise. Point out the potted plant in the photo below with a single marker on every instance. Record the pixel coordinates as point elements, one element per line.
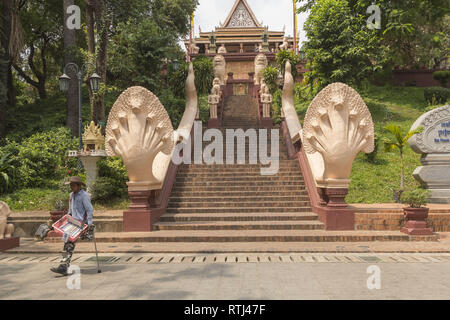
<point>416,213</point>
<point>60,202</point>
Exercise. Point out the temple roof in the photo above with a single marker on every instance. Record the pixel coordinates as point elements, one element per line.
<point>241,16</point>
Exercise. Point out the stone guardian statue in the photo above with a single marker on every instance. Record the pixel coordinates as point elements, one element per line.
<point>6,230</point>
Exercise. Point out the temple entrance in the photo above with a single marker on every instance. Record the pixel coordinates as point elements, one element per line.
<point>240,89</point>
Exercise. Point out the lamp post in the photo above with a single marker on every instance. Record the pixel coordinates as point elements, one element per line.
<point>64,82</point>
<point>94,82</point>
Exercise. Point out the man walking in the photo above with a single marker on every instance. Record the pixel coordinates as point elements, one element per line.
<point>80,208</point>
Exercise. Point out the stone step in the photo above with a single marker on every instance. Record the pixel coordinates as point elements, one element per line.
<point>239,189</point>
<point>283,164</point>
<point>223,169</point>
<point>239,225</point>
<point>255,198</point>
<point>259,203</point>
<point>253,236</point>
<point>227,216</point>
<point>301,195</point>
<point>238,210</point>
<point>256,171</point>
<point>243,179</point>
<point>227,173</point>
<point>244,185</point>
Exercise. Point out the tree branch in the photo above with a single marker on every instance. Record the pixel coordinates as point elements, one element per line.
<point>25,76</point>
<point>31,63</point>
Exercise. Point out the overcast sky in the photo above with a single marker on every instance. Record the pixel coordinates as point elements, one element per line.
<point>273,13</point>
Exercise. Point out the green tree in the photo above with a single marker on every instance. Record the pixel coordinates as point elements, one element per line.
<point>271,78</point>
<point>204,76</point>
<point>286,55</point>
<point>399,141</point>
<point>340,48</point>
<point>416,32</point>
<point>141,45</point>
<point>43,30</point>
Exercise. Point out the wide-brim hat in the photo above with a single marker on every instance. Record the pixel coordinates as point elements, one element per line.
<point>76,180</point>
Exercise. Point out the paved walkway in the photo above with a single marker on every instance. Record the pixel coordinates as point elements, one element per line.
<point>443,245</point>
<point>274,278</point>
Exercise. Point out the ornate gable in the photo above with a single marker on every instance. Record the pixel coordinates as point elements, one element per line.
<point>241,16</point>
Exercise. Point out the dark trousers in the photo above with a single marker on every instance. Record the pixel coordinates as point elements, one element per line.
<point>69,248</point>
<point>67,253</point>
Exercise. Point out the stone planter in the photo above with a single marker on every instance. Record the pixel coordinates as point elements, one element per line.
<point>56,215</point>
<point>415,222</point>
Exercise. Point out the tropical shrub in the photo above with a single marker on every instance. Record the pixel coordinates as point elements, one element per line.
<point>40,159</point>
<point>7,170</point>
<point>271,78</point>
<point>277,105</point>
<point>286,55</point>
<point>443,77</point>
<point>113,168</point>
<point>204,76</point>
<point>415,198</point>
<point>105,189</point>
<point>60,201</point>
<point>436,95</point>
<point>174,106</point>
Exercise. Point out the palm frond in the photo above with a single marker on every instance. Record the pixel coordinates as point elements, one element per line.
<point>412,133</point>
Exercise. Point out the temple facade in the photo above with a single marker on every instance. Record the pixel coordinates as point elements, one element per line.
<point>239,40</point>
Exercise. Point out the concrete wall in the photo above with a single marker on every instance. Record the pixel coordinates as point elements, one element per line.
<point>240,69</point>
<point>421,78</point>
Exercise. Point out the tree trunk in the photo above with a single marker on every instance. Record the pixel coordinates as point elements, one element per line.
<point>402,182</point>
<point>11,88</point>
<point>72,94</point>
<point>5,61</point>
<point>96,19</point>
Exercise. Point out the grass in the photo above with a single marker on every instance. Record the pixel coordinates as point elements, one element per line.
<point>40,200</point>
<point>374,182</point>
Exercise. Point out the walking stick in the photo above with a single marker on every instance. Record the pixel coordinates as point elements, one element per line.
<point>96,252</point>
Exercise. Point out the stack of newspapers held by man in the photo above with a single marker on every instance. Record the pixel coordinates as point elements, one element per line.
<point>69,228</point>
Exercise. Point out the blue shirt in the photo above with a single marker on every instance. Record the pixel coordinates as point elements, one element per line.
<point>80,204</point>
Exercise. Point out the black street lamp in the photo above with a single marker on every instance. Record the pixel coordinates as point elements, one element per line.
<point>94,81</point>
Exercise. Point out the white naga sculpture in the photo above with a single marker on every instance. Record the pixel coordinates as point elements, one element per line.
<point>285,44</point>
<point>266,99</point>
<point>6,230</point>
<point>260,64</point>
<point>338,125</point>
<point>288,107</point>
<point>139,130</point>
<point>219,68</point>
<point>222,49</point>
<point>214,98</point>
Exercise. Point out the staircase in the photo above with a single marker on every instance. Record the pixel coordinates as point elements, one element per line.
<point>238,198</point>
<point>225,207</point>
